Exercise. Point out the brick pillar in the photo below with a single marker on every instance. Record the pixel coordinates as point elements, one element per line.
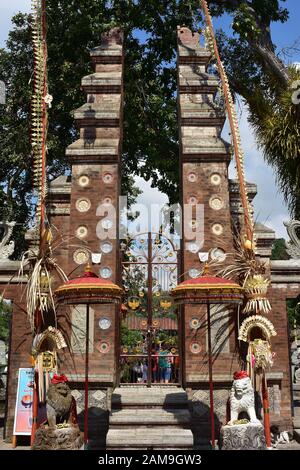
<point>95,156</point>
<point>204,160</point>
<point>95,189</point>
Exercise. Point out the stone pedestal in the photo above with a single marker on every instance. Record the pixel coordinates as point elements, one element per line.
<point>68,438</point>
<point>243,437</point>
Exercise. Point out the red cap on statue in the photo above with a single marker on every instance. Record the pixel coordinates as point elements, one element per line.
<point>56,379</point>
<point>240,375</point>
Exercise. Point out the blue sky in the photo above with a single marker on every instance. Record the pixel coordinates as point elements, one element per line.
<point>269,206</point>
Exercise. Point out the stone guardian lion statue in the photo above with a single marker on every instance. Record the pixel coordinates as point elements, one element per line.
<point>60,403</point>
<point>62,431</point>
<point>242,398</point>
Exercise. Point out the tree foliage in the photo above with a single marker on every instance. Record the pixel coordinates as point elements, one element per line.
<point>150,145</point>
<point>279,250</point>
<point>293,312</point>
<point>130,338</point>
<point>269,88</point>
<point>5,316</point>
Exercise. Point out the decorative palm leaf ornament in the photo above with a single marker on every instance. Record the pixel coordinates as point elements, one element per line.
<point>245,269</point>
<point>255,289</point>
<point>259,356</point>
<point>253,322</point>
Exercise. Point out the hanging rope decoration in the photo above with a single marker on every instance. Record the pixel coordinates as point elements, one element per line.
<point>40,102</point>
<point>233,120</point>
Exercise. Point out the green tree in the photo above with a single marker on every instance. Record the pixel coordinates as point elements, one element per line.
<point>150,129</point>
<point>270,88</point>
<point>5,316</point>
<point>293,312</point>
<point>279,250</point>
<point>130,338</point>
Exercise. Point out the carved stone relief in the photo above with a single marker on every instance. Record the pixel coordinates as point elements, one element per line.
<point>6,247</point>
<point>79,330</point>
<point>219,329</point>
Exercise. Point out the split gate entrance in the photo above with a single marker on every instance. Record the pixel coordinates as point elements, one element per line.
<point>149,329</point>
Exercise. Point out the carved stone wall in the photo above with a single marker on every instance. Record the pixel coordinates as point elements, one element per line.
<point>220,329</point>
<point>275,399</point>
<point>99,408</point>
<point>78,338</point>
<point>200,411</point>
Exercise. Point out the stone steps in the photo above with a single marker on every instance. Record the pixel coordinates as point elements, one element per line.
<point>143,437</point>
<point>161,397</point>
<point>296,422</point>
<point>149,418</point>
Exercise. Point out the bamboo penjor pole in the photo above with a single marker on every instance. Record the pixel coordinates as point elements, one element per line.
<point>38,140</point>
<point>239,159</point>
<point>233,126</point>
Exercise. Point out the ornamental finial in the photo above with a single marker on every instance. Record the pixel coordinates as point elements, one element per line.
<point>206,270</point>
<point>88,268</point>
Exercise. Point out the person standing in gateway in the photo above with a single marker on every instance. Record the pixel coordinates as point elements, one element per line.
<point>165,364</point>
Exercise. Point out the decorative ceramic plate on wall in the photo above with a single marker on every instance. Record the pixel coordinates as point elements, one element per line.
<point>195,348</point>
<point>195,323</point>
<point>104,323</point>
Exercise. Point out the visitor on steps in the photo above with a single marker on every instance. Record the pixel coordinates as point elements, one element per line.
<point>165,364</point>
<point>155,370</point>
<point>145,371</point>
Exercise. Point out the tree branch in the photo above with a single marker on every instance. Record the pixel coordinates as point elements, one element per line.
<point>271,61</point>
<point>263,45</point>
<point>260,40</point>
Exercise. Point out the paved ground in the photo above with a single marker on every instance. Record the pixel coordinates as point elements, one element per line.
<point>293,445</point>
<point>5,446</point>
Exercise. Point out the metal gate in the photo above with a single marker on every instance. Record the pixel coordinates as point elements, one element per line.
<point>149,329</point>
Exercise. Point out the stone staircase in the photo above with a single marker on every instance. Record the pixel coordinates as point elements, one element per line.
<point>149,418</point>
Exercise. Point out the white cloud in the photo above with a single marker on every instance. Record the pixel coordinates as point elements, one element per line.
<point>150,195</point>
